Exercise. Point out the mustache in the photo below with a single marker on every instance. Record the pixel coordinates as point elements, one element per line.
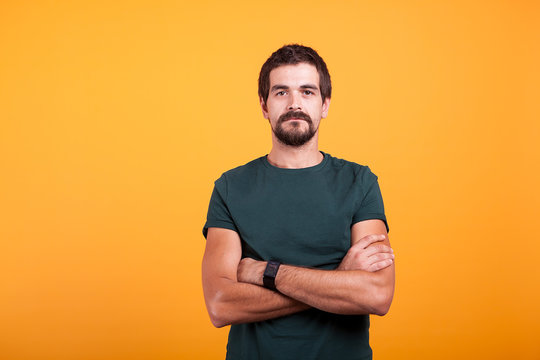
<point>294,115</point>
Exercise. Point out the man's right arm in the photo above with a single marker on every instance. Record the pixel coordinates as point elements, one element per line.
<point>229,301</point>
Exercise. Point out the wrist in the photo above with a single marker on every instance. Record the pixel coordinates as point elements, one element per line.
<point>270,273</point>
<point>250,271</point>
<point>261,266</point>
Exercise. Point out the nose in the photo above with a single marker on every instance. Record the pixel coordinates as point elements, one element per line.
<point>294,102</point>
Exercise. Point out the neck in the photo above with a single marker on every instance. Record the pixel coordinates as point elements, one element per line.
<point>292,157</point>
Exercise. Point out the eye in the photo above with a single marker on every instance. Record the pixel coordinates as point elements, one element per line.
<point>308,92</point>
<point>281,93</point>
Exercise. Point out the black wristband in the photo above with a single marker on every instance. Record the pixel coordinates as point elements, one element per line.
<point>269,277</point>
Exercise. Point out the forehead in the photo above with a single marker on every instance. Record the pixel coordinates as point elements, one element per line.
<point>294,75</point>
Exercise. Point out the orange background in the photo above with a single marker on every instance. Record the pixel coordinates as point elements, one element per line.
<point>116,118</point>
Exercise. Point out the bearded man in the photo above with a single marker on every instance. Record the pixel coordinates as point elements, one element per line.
<point>297,253</point>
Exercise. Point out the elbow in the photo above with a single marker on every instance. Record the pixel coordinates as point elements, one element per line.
<point>381,309</point>
<point>217,312</point>
<point>217,321</point>
<point>382,294</point>
<point>381,301</point>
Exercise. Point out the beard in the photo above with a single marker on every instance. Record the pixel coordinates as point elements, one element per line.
<point>295,136</point>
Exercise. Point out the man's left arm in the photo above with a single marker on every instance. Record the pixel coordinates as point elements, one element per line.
<point>345,290</point>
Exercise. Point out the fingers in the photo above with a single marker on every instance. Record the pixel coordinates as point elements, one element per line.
<point>378,248</point>
<point>369,253</point>
<point>370,239</point>
<point>380,257</point>
<point>380,265</point>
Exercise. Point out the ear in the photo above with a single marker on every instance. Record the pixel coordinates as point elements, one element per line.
<point>325,106</point>
<point>264,108</point>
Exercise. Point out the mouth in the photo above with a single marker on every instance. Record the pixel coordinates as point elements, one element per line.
<point>294,116</point>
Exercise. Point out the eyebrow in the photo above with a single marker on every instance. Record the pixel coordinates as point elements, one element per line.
<point>285,87</point>
<point>309,86</point>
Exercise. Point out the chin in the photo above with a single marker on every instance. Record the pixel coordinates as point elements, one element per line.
<point>295,123</point>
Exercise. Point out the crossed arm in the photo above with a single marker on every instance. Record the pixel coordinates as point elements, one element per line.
<point>362,284</point>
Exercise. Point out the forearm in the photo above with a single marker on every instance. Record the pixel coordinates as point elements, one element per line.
<point>336,291</point>
<point>236,303</point>
<point>228,300</point>
<point>341,292</point>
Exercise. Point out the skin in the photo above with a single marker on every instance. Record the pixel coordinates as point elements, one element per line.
<point>352,289</point>
<point>364,281</point>
<point>291,90</point>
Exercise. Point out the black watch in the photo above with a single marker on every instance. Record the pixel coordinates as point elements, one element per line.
<point>269,277</point>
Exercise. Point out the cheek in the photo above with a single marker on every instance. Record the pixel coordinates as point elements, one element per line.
<point>275,113</point>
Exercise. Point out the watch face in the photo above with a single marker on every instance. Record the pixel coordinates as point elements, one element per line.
<point>271,268</point>
<point>270,274</point>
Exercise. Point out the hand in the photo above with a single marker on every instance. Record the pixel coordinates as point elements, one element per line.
<point>367,255</point>
<point>251,271</point>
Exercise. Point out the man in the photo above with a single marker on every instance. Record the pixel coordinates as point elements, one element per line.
<point>297,253</point>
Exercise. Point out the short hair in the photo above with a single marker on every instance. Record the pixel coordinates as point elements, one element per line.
<point>293,54</point>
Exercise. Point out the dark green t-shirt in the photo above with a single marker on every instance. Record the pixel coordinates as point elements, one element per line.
<point>298,217</point>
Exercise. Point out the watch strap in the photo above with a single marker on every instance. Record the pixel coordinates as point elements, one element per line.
<point>269,277</point>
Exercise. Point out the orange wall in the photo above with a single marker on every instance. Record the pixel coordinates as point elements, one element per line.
<point>115,119</point>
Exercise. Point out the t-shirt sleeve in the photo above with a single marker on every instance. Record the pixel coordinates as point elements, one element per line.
<point>218,211</point>
<point>370,205</point>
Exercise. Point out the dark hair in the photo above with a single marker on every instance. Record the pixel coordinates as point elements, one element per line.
<point>291,55</point>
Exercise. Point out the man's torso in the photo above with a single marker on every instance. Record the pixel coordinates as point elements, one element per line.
<point>298,217</point>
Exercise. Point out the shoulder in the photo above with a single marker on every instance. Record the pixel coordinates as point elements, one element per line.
<point>243,171</point>
<point>358,171</point>
<point>240,174</point>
